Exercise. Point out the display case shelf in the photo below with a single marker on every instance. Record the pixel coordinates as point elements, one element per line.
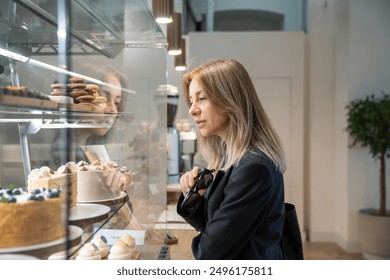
<point>96,27</point>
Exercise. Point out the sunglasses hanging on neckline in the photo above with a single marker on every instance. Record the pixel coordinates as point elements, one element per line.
<point>202,182</point>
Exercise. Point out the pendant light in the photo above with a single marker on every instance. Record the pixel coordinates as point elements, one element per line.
<point>180,60</point>
<point>163,10</point>
<point>174,35</point>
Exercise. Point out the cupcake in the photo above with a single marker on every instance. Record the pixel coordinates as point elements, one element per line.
<point>120,251</point>
<point>101,243</point>
<point>89,252</point>
<point>129,240</point>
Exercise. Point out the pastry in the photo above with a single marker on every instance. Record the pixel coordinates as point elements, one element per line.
<point>91,182</point>
<point>101,243</point>
<point>30,218</point>
<point>120,251</point>
<point>89,251</point>
<point>65,178</point>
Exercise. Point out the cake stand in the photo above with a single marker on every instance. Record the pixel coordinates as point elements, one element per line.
<point>43,250</point>
<point>122,198</point>
<point>83,215</point>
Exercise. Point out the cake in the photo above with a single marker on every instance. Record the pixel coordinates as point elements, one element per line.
<point>120,251</point>
<point>89,251</point>
<point>65,178</point>
<point>30,218</point>
<point>101,243</point>
<point>91,181</point>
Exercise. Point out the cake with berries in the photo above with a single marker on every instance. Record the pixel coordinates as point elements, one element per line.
<point>30,218</point>
<point>92,177</point>
<point>64,178</point>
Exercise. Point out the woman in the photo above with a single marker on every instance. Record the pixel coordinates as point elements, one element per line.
<point>241,214</point>
<point>114,83</point>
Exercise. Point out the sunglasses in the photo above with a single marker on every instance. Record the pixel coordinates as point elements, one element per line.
<point>202,182</point>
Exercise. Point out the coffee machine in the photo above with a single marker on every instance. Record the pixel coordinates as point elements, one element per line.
<point>171,95</point>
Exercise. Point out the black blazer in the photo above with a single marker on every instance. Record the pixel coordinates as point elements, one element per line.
<point>242,213</point>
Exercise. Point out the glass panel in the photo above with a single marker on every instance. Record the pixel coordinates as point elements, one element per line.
<point>119,49</point>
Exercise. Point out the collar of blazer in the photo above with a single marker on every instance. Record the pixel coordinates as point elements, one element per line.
<point>217,180</point>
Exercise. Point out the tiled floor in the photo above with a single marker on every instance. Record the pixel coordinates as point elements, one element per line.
<point>312,250</point>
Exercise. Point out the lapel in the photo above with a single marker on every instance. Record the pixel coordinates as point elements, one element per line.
<point>217,180</point>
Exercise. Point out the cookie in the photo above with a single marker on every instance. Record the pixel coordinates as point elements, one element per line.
<point>92,87</point>
<point>58,85</point>
<point>77,93</point>
<point>76,80</point>
<point>77,85</point>
<point>58,92</point>
<point>85,98</point>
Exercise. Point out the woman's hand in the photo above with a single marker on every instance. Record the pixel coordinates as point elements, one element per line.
<point>117,180</point>
<point>188,179</point>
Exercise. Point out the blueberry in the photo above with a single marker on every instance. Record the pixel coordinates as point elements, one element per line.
<point>36,197</point>
<point>54,193</point>
<point>11,199</point>
<point>16,192</point>
<point>36,191</point>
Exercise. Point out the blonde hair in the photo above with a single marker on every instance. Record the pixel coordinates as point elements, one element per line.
<point>230,90</point>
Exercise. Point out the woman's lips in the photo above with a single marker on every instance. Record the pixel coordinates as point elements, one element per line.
<point>200,123</point>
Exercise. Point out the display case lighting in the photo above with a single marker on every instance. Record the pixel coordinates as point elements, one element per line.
<point>38,63</point>
<point>13,55</point>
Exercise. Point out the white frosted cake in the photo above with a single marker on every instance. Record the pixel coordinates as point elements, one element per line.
<point>92,183</point>
<point>64,178</point>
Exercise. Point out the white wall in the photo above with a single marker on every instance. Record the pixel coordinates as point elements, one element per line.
<point>275,62</point>
<point>291,9</point>
<point>349,58</point>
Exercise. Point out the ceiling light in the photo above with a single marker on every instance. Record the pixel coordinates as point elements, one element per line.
<point>180,60</point>
<point>174,35</point>
<point>163,10</point>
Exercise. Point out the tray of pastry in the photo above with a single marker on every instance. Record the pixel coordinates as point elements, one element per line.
<point>29,102</point>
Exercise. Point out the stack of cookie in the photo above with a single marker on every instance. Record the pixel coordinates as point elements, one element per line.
<point>77,91</point>
<point>100,102</point>
<point>83,96</point>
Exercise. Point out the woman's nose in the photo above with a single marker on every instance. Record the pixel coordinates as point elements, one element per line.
<point>194,110</point>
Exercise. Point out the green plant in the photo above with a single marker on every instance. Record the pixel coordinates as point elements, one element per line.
<point>369,124</point>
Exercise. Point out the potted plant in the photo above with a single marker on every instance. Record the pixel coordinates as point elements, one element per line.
<point>368,122</point>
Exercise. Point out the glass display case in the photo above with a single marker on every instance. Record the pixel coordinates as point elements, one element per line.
<point>77,85</point>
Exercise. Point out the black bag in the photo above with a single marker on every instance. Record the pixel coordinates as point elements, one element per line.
<point>291,242</point>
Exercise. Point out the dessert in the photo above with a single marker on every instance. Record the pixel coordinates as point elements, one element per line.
<point>129,240</point>
<point>99,102</point>
<point>30,218</point>
<point>58,89</point>
<point>89,252</point>
<point>120,251</point>
<point>23,91</point>
<point>91,182</point>
<point>65,178</point>
<point>101,244</point>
